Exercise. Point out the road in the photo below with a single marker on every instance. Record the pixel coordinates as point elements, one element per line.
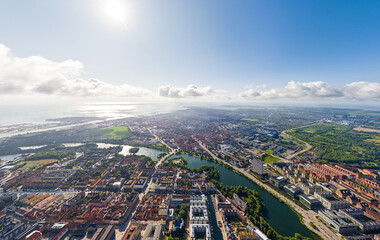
<point>219,218</point>
<point>307,215</point>
<point>287,136</point>
<point>169,154</point>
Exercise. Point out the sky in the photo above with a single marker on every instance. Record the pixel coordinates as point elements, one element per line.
<point>221,50</point>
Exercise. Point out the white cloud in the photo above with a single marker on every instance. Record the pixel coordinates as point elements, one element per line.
<point>297,90</point>
<point>39,75</point>
<point>362,90</point>
<point>318,90</point>
<point>189,91</point>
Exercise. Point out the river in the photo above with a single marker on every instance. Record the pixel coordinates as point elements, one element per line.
<point>277,214</point>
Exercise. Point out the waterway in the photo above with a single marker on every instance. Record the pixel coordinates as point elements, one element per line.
<point>217,234</point>
<point>276,213</point>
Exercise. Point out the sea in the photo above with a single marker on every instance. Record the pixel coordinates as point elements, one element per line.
<point>22,112</point>
<point>38,114</point>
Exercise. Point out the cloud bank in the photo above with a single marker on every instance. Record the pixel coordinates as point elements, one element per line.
<point>362,90</point>
<point>38,75</point>
<point>318,90</point>
<point>189,91</point>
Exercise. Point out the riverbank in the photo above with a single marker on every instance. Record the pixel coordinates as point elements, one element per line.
<point>277,214</point>
<point>306,216</point>
<point>315,235</point>
<point>292,206</point>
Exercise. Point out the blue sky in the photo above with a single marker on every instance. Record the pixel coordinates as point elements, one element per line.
<point>226,48</point>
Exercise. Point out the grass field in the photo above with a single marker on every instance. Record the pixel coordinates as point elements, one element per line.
<point>118,132</point>
<point>270,158</point>
<point>35,163</point>
<point>375,140</point>
<point>270,151</point>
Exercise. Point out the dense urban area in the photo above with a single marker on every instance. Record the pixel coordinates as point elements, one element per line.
<point>221,173</point>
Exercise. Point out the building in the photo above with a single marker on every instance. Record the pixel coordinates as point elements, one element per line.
<point>109,233</point>
<point>199,221</point>
<point>153,232</point>
<point>11,228</point>
<point>133,232</point>
<point>310,189</point>
<point>140,184</point>
<point>197,200</point>
<point>178,200</point>
<point>279,181</point>
<point>293,190</point>
<point>239,202</point>
<point>356,215</point>
<point>329,202</point>
<point>35,235</point>
<point>352,199</point>
<point>338,221</point>
<point>246,236</point>
<point>260,235</point>
<point>200,231</point>
<point>310,201</point>
<point>198,214</point>
<point>326,172</point>
<point>343,193</point>
<point>222,202</point>
<point>47,179</point>
<point>257,166</point>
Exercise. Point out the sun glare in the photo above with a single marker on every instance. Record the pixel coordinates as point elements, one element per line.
<point>115,11</point>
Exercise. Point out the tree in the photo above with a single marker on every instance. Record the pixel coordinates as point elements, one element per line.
<point>182,211</point>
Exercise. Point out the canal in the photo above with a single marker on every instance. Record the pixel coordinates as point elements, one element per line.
<point>216,233</point>
<point>276,213</point>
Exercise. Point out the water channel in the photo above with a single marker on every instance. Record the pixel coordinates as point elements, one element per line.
<point>277,214</point>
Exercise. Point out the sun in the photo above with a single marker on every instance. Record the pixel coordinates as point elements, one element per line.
<point>115,11</point>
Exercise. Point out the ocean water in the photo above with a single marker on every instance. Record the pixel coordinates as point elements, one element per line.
<point>38,113</point>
